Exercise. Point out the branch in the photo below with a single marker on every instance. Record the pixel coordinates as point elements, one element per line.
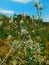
<point>6,56</point>
<point>9,54</point>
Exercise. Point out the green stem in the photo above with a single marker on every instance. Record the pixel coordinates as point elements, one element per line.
<point>40,14</point>
<point>37,11</point>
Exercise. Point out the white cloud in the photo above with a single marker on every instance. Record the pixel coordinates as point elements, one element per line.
<point>36,0</point>
<point>46,19</point>
<point>6,11</point>
<point>21,1</point>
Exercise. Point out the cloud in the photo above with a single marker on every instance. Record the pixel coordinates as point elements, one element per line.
<point>46,19</point>
<point>36,0</point>
<point>21,1</point>
<point>6,11</point>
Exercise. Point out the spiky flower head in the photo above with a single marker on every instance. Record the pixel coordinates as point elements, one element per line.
<point>40,7</point>
<point>35,4</point>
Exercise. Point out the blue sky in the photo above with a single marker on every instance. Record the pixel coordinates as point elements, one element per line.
<point>10,7</point>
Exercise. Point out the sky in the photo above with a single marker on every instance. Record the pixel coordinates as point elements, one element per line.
<point>9,7</point>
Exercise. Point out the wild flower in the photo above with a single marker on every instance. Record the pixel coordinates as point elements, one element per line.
<point>29,42</point>
<point>11,20</point>
<point>30,58</point>
<point>40,7</point>
<point>47,62</point>
<point>38,50</point>
<point>33,31</point>
<point>31,17</point>
<point>42,59</point>
<point>37,44</point>
<point>15,16</point>
<point>16,44</point>
<point>38,37</point>
<point>31,47</point>
<point>9,37</point>
<point>21,21</point>
<point>35,4</point>
<point>24,32</point>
